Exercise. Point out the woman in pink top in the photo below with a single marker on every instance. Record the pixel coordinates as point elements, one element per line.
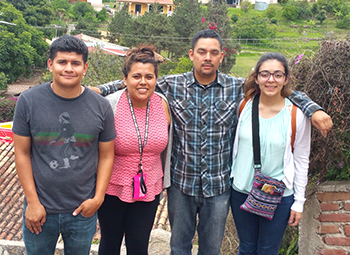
<point>141,157</point>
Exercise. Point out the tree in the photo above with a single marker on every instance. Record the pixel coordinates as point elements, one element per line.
<point>118,24</point>
<point>220,22</point>
<point>102,15</point>
<point>87,25</point>
<point>103,68</point>
<point>80,9</point>
<point>245,6</point>
<point>150,28</point>
<point>188,14</point>
<point>21,46</point>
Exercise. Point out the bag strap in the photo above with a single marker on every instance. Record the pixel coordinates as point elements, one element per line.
<point>255,133</point>
<point>293,121</point>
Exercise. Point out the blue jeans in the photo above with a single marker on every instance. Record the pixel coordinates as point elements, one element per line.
<point>258,235</point>
<point>212,213</point>
<point>77,233</point>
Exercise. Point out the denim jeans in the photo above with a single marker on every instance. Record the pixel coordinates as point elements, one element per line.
<point>77,233</point>
<point>258,235</point>
<point>212,213</point>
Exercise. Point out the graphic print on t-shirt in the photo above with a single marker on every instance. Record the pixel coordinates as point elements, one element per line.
<point>67,139</point>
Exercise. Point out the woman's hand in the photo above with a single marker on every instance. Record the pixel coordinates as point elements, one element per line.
<point>294,218</point>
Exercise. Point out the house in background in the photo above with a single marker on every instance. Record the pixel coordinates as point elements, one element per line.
<point>140,7</point>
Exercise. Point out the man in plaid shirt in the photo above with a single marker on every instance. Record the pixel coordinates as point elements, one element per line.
<point>203,103</point>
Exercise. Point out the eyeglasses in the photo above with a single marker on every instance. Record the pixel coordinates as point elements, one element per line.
<point>277,75</point>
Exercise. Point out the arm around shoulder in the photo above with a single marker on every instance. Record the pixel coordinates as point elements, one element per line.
<point>321,120</point>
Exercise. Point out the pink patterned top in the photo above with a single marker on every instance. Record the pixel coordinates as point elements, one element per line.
<point>127,154</point>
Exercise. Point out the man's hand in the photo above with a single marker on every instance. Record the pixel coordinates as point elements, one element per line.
<point>322,121</point>
<point>96,89</point>
<point>35,217</point>
<point>294,218</point>
<point>88,207</point>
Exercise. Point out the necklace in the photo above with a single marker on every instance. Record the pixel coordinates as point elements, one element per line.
<point>80,90</point>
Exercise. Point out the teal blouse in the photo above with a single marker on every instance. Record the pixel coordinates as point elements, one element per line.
<point>273,138</point>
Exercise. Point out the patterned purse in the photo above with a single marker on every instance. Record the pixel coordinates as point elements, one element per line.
<point>266,192</point>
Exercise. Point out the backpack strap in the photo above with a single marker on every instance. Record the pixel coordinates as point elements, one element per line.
<point>293,121</point>
<point>294,125</point>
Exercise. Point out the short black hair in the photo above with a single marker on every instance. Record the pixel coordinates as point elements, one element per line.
<point>68,43</point>
<point>208,33</point>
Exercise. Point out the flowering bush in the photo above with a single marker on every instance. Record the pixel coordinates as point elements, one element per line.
<point>7,109</point>
<point>325,77</point>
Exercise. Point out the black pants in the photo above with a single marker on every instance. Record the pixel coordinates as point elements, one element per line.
<point>135,220</point>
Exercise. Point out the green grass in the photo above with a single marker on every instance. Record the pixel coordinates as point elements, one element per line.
<point>289,41</point>
<point>244,64</point>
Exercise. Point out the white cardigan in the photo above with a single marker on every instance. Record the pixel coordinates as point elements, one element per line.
<point>296,164</point>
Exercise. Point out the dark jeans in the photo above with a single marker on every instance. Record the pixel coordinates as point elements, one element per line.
<point>258,235</point>
<point>135,220</point>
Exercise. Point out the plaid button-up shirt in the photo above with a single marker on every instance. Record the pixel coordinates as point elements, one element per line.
<point>205,120</point>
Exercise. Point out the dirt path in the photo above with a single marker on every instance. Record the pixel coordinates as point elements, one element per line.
<point>22,83</point>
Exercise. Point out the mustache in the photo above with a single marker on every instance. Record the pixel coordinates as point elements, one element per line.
<point>207,63</point>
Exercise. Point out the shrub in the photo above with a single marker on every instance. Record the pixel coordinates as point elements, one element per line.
<point>326,77</point>
<point>3,81</point>
<point>321,16</point>
<point>7,109</point>
<point>167,67</point>
<point>344,22</point>
<point>274,21</point>
<point>290,12</point>
<point>254,28</point>
<point>234,18</point>
<point>271,12</point>
<point>315,9</point>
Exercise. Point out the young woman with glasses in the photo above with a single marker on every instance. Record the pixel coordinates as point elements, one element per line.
<point>270,80</point>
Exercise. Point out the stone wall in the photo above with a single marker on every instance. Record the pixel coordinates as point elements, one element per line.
<point>325,228</point>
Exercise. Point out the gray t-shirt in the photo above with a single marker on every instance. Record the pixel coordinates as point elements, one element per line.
<point>64,143</point>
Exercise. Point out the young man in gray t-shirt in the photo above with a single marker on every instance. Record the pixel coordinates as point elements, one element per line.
<point>64,137</point>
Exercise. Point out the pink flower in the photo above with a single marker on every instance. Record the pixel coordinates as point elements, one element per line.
<point>203,20</point>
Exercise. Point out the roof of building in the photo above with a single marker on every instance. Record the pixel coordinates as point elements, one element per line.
<point>170,2</point>
<point>12,196</point>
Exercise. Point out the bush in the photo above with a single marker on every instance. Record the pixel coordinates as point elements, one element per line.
<point>3,81</point>
<point>274,21</point>
<point>326,77</point>
<point>7,109</point>
<point>344,22</point>
<point>166,68</point>
<point>321,16</point>
<point>254,28</point>
<point>291,12</point>
<point>271,12</point>
<point>234,18</point>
